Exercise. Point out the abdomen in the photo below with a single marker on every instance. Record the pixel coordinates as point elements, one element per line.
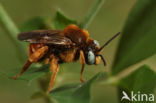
<point>69,55</point>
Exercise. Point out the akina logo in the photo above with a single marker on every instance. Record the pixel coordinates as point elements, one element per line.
<point>137,96</point>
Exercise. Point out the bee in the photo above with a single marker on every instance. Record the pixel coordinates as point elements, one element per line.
<point>62,46</point>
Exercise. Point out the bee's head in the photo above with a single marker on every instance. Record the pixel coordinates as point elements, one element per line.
<point>93,49</point>
<point>92,55</point>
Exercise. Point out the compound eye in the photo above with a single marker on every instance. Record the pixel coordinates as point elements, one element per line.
<point>91,57</point>
<point>96,43</point>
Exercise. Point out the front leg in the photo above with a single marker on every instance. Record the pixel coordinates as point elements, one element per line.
<point>54,68</point>
<point>82,61</point>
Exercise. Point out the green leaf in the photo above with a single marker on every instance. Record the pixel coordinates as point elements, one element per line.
<point>61,21</point>
<point>138,36</point>
<point>75,93</point>
<point>32,73</point>
<point>35,23</point>
<point>143,80</point>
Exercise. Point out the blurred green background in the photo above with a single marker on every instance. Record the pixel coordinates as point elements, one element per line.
<point>108,22</point>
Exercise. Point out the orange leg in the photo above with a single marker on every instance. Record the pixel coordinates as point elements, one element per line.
<point>26,66</point>
<point>82,61</point>
<point>34,57</point>
<point>54,68</point>
<point>38,54</point>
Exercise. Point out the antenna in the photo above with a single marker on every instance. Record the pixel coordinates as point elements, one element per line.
<point>109,41</point>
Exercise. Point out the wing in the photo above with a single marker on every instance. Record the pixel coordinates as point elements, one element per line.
<point>45,36</point>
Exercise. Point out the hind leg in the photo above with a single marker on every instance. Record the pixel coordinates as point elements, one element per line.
<point>33,57</point>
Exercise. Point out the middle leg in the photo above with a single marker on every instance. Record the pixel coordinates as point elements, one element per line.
<point>54,68</point>
<point>82,61</point>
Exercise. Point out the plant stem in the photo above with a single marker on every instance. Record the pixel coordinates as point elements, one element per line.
<point>91,13</point>
<point>12,32</point>
<point>116,78</point>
